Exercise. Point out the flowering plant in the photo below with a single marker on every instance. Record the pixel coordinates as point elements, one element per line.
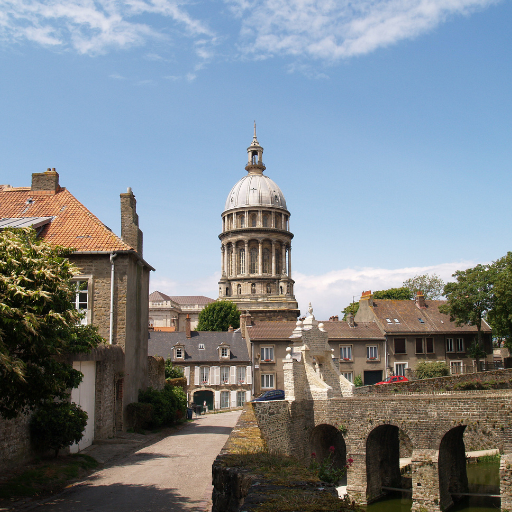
<point>327,470</point>
<point>346,359</point>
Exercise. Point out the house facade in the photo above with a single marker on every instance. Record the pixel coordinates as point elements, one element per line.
<point>216,365</point>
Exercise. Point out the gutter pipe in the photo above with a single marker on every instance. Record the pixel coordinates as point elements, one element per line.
<point>111,335</point>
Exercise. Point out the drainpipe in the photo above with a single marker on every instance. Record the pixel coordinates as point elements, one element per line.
<point>112,257</point>
<point>386,356</point>
<point>253,369</point>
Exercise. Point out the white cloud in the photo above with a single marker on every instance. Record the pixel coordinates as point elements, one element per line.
<point>329,29</point>
<point>117,76</point>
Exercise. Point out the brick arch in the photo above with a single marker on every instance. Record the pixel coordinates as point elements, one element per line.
<point>322,437</point>
<point>497,435</point>
<point>408,430</point>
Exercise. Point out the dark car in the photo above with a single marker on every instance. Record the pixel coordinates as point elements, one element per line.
<point>394,378</point>
<point>274,394</point>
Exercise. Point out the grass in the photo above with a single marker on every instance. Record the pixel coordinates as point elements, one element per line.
<point>489,458</point>
<point>45,477</point>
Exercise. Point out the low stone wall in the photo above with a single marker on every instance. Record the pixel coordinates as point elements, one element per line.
<point>156,372</point>
<point>502,379</point>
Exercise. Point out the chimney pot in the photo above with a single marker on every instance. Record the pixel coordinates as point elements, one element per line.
<point>188,333</point>
<point>420,300</point>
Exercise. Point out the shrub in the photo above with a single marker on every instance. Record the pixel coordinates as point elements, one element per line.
<point>56,425</point>
<point>428,369</point>
<point>172,372</point>
<point>180,382</point>
<point>165,404</point>
<point>140,415</point>
<point>358,381</point>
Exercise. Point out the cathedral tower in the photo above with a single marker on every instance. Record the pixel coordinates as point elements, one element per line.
<point>256,245</point>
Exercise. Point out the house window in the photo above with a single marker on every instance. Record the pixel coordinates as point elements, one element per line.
<point>267,354</point>
<point>179,353</point>
<point>224,352</point>
<point>419,345</point>
<point>81,301</point>
<point>449,345</point>
<point>241,261</point>
<point>372,352</point>
<point>224,374</point>
<point>267,381</point>
<point>455,367</point>
<point>349,376</point>
<point>204,374</point>
<point>400,368</point>
<point>224,399</point>
<point>254,261</point>
<point>346,353</point>
<point>240,398</point>
<point>240,374</point>
<point>430,345</point>
<point>460,344</point>
<point>400,346</point>
<point>201,346</point>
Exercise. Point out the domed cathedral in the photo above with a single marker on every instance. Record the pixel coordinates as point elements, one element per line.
<point>256,245</point>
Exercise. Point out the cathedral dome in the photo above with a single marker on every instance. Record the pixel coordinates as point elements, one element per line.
<point>255,190</point>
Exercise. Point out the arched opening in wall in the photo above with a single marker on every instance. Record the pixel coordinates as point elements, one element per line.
<point>227,291</point>
<point>269,288</point>
<point>253,287</point>
<point>254,157</point>
<point>322,440</point>
<point>453,478</point>
<point>200,397</point>
<point>385,445</point>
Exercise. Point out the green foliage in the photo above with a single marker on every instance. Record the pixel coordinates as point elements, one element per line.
<point>56,425</point>
<point>140,415</point>
<point>172,372</point>
<point>475,351</point>
<point>167,404</point>
<point>328,470</point>
<point>218,316</point>
<point>429,369</point>
<point>431,285</point>
<point>358,381</point>
<point>351,308</point>
<point>402,293</point>
<point>470,298</point>
<point>38,322</point>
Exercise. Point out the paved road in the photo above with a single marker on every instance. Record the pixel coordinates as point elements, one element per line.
<point>172,475</point>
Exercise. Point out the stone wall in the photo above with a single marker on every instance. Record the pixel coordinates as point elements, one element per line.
<point>156,372</point>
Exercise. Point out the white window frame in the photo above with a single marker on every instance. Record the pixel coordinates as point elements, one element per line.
<point>224,352</point>
<point>224,399</point>
<point>241,260</point>
<point>179,353</point>
<point>241,374</point>
<point>267,351</point>
<point>78,301</point>
<point>204,377</point>
<point>240,398</point>
<point>457,365</point>
<point>461,347</point>
<point>349,376</point>
<point>450,345</point>
<point>369,350</point>
<point>345,353</point>
<point>224,374</point>
<point>267,381</point>
<point>400,364</point>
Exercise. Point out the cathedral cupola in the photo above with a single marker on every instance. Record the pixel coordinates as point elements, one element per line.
<point>255,156</point>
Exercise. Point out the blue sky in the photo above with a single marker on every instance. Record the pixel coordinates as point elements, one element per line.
<point>386,123</point>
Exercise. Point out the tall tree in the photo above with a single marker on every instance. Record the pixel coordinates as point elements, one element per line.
<point>218,316</point>
<point>470,298</point>
<point>430,284</point>
<point>402,293</point>
<point>38,322</point>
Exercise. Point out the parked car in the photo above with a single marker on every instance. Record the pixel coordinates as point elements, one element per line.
<point>274,394</point>
<point>394,378</point>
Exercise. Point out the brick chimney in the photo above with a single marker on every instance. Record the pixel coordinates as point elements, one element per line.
<point>46,181</point>
<point>242,324</point>
<point>188,334</point>
<point>350,319</point>
<point>420,300</point>
<point>130,232</point>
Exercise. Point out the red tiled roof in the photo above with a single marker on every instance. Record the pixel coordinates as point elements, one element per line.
<point>408,316</point>
<point>73,225</point>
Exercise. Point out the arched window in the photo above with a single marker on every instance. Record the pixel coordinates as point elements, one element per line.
<point>227,292</point>
<point>281,290</point>
<point>239,289</point>
<point>241,261</point>
<point>266,261</point>
<point>278,221</point>
<point>253,266</point>
<point>253,287</point>
<point>265,221</point>
<point>253,220</point>
<point>242,221</point>
<point>278,261</point>
<point>254,157</point>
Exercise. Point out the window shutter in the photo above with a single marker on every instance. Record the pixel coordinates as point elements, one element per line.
<point>232,378</point>
<point>248,375</point>
<point>187,374</point>
<point>217,399</point>
<point>233,399</point>
<point>196,376</point>
<point>216,375</point>
<point>247,396</point>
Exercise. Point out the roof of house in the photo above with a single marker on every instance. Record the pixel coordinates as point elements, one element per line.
<point>199,300</point>
<point>161,344</point>
<point>412,319</point>
<point>72,224</point>
<point>335,330</point>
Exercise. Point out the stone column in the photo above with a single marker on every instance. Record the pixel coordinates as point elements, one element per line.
<point>273,221</point>
<point>273,257</point>
<point>260,219</point>
<point>356,477</point>
<point>246,258</point>
<point>260,257</point>
<point>506,481</point>
<point>425,481</point>
<point>222,259</point>
<point>246,217</point>
<point>290,261</point>
<point>283,258</point>
<point>233,260</point>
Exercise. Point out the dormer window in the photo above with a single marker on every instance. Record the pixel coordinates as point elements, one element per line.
<point>179,353</point>
<point>224,352</point>
<point>201,346</point>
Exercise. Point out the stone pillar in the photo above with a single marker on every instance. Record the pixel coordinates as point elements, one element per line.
<point>425,481</point>
<point>506,481</point>
<point>290,261</point>
<point>223,259</point>
<point>233,260</point>
<point>260,219</point>
<point>273,219</point>
<point>273,256</point>
<point>283,258</point>
<point>260,257</point>
<point>356,478</point>
<point>246,221</point>
<point>246,258</point>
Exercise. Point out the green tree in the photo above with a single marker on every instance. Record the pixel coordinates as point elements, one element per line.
<point>428,369</point>
<point>351,308</point>
<point>402,293</point>
<point>470,298</point>
<point>172,372</point>
<point>218,316</point>
<point>431,285</point>
<point>38,322</point>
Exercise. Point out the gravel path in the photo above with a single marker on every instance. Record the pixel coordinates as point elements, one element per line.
<point>171,475</point>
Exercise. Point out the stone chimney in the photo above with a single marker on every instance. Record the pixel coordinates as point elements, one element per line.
<point>230,328</point>
<point>420,300</point>
<point>365,311</point>
<point>130,232</point>
<point>46,181</point>
<point>350,319</point>
<point>188,333</point>
<point>242,324</point>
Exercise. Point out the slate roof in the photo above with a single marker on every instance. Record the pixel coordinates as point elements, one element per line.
<point>182,300</point>
<point>409,315</point>
<point>161,344</point>
<point>72,224</point>
<point>335,330</point>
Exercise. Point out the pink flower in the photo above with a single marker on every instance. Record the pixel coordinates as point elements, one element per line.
<point>350,461</point>
<point>331,449</point>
